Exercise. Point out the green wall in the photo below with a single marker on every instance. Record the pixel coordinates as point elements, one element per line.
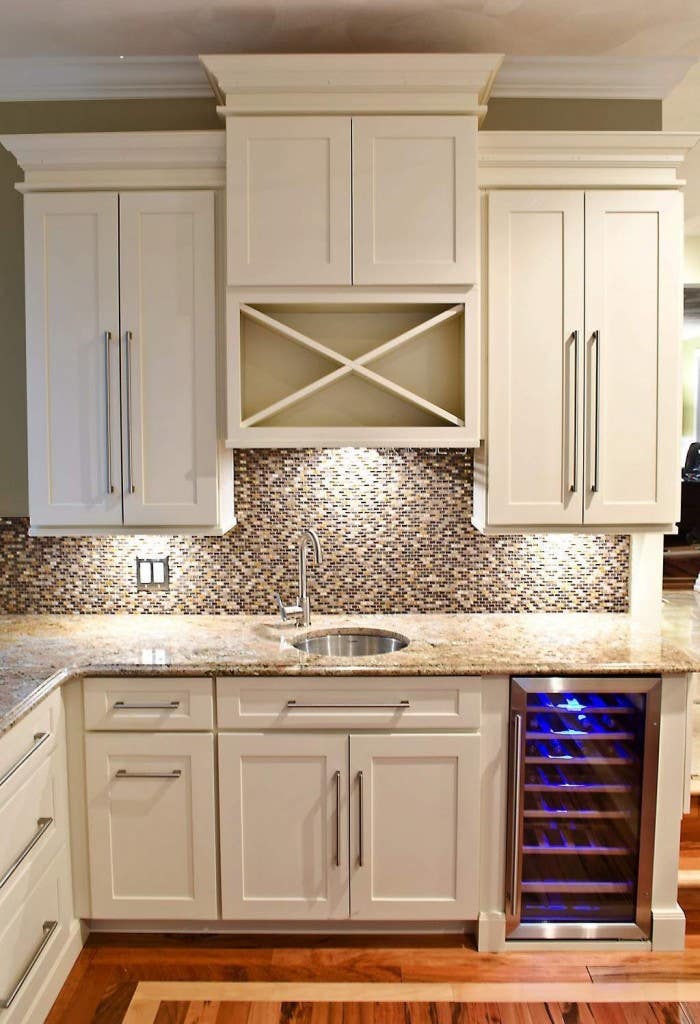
<point>152,115</point>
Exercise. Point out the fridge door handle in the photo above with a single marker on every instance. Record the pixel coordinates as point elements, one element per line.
<point>515,807</point>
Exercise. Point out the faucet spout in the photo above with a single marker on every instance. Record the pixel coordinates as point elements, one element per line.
<point>307,542</point>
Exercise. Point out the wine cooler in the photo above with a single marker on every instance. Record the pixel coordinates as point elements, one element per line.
<point>581,807</point>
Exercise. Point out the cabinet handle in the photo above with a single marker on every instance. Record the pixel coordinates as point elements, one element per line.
<point>515,821</point>
<point>42,825</point>
<point>122,705</point>
<point>574,484</point>
<point>595,486</point>
<point>124,774</point>
<point>49,927</point>
<point>402,705</point>
<point>337,819</point>
<point>108,414</point>
<point>128,336</point>
<point>39,739</point>
<point>360,816</point>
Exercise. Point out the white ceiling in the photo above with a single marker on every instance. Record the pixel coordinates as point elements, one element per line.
<point>631,28</point>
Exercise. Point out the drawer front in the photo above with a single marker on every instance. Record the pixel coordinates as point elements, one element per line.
<point>35,915</point>
<point>396,703</point>
<point>28,743</point>
<point>155,705</point>
<point>33,819</point>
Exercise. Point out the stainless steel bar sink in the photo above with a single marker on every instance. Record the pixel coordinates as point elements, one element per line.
<point>351,643</point>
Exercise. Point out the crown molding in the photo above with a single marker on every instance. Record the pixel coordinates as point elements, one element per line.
<point>438,83</point>
<point>101,78</point>
<point>192,159</point>
<point>629,78</point>
<point>582,159</point>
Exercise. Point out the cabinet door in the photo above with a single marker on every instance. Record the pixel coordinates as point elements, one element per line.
<point>414,827</point>
<point>283,819</point>
<point>289,200</point>
<point>169,358</point>
<point>633,308</point>
<point>151,825</point>
<point>535,358</point>
<point>72,303</point>
<point>414,200</point>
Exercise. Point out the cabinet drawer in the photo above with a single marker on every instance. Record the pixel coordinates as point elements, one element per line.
<point>28,743</point>
<point>396,703</point>
<point>35,914</point>
<point>135,703</point>
<point>32,819</point>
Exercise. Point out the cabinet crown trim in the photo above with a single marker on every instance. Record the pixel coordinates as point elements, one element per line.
<point>444,83</point>
<point>578,159</point>
<point>129,159</point>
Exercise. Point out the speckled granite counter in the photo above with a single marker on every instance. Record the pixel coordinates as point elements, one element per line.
<point>39,652</point>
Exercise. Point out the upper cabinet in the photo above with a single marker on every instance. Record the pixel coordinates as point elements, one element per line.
<point>124,404</point>
<point>584,325</point>
<point>362,200</point>
<point>289,200</point>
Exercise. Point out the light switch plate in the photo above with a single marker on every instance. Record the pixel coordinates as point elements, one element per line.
<point>153,573</point>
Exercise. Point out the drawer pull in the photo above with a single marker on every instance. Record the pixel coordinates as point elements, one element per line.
<point>122,705</point>
<point>124,774</point>
<point>292,705</point>
<point>42,825</point>
<point>337,819</point>
<point>39,739</point>
<point>49,928</point>
<point>360,819</point>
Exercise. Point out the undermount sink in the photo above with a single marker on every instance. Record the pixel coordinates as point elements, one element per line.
<point>348,644</point>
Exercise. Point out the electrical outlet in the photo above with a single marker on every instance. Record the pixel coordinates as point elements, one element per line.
<point>153,573</point>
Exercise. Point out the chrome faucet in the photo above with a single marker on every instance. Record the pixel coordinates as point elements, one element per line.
<point>301,611</point>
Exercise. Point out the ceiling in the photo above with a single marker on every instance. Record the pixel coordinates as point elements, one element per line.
<point>630,28</point>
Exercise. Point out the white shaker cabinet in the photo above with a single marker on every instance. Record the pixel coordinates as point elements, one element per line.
<point>414,826</point>
<point>634,264</point>
<point>341,200</point>
<point>72,303</point>
<point>288,197</point>
<point>121,354</point>
<point>414,200</point>
<point>583,335</point>
<point>284,830</point>
<point>152,825</point>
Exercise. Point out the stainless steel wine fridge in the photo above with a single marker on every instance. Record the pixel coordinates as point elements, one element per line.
<point>581,807</point>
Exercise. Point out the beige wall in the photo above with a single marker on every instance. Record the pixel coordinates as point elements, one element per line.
<point>144,115</point>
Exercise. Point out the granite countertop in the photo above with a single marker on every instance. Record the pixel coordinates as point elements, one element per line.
<point>39,652</point>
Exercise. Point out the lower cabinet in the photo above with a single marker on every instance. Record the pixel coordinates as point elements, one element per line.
<point>152,825</point>
<point>323,826</point>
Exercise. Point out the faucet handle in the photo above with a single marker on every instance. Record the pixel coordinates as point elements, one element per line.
<point>287,611</point>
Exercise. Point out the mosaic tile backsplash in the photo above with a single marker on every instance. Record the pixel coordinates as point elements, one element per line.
<point>396,534</point>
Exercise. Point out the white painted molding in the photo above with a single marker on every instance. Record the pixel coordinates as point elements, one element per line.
<point>637,78</point>
<point>439,83</point>
<point>582,159</point>
<point>101,78</point>
<point>119,159</point>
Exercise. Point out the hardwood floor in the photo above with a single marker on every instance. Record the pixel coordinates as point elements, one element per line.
<point>113,980</point>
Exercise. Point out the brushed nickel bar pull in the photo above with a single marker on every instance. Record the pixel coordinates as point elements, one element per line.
<point>122,705</point>
<point>124,774</point>
<point>574,485</point>
<point>49,927</point>
<point>292,705</point>
<point>337,819</point>
<point>108,414</point>
<point>42,825</point>
<point>360,817</point>
<point>128,336</point>
<point>595,486</point>
<point>515,823</point>
<point>39,739</point>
